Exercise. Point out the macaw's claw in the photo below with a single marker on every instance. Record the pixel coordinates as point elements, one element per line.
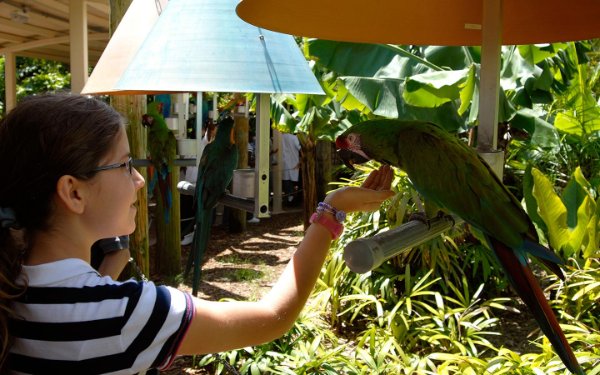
<point>422,217</point>
<point>443,215</point>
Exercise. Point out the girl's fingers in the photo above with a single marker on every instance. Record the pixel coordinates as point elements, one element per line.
<point>370,179</point>
<point>380,179</point>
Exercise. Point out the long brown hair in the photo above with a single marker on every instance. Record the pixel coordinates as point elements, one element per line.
<point>43,138</point>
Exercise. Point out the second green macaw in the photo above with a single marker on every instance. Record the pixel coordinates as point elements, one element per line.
<point>162,146</point>
<point>215,172</point>
<point>447,172</point>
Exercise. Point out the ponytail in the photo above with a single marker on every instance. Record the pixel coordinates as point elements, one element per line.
<point>11,255</point>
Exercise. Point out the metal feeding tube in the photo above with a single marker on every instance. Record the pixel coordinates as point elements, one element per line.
<point>365,254</point>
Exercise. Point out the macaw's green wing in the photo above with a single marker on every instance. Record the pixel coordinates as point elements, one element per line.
<point>452,175</point>
<point>463,183</point>
<point>215,172</point>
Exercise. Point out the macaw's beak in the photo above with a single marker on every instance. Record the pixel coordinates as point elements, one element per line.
<point>147,120</point>
<point>350,158</point>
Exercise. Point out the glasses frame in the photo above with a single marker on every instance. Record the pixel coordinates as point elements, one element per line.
<point>128,164</point>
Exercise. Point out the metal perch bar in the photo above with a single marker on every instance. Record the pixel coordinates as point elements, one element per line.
<point>365,254</point>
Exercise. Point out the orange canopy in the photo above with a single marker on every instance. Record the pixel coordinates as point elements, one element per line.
<point>425,22</point>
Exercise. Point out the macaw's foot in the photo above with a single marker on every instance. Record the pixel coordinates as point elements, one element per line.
<point>420,216</point>
<point>447,217</point>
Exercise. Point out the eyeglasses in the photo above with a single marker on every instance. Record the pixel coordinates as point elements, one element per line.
<point>127,164</point>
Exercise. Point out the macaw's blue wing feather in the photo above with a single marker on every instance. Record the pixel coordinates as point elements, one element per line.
<point>153,181</point>
<point>545,255</point>
<point>516,266</point>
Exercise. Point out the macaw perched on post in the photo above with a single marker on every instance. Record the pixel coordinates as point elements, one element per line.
<point>215,171</point>
<point>162,146</point>
<point>453,176</point>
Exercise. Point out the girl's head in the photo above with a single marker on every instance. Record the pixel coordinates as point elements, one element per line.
<point>42,140</point>
<point>46,137</point>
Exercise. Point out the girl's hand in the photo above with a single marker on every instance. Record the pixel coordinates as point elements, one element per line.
<point>368,197</point>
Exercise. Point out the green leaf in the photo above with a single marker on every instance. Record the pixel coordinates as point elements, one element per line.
<point>382,96</point>
<point>536,53</point>
<point>451,57</point>
<point>530,201</point>
<point>467,91</point>
<point>568,124</point>
<point>573,196</point>
<point>572,221</point>
<point>551,209</point>
<point>542,133</point>
<point>433,89</point>
<point>364,60</point>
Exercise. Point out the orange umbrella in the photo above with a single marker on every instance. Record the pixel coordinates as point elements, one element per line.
<point>426,22</point>
<point>489,23</point>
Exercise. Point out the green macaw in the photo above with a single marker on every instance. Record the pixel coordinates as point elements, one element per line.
<point>215,171</point>
<point>162,146</point>
<point>447,172</point>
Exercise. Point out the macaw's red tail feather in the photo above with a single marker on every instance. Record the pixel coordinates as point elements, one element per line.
<point>524,282</point>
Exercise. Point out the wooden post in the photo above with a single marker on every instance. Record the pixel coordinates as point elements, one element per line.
<point>78,42</point>
<point>168,223</point>
<point>132,107</point>
<point>168,232</point>
<point>10,82</point>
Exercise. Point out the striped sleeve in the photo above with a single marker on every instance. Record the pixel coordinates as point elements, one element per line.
<point>120,328</point>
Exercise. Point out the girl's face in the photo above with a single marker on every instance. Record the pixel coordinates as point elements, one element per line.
<point>111,210</point>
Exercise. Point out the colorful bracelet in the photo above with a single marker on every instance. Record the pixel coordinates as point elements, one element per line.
<point>335,227</point>
<point>339,215</point>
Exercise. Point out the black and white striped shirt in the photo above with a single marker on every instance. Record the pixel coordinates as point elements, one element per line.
<point>73,321</point>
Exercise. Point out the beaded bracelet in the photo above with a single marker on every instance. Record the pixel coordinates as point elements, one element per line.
<point>339,215</point>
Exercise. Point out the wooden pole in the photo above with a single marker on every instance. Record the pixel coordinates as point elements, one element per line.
<point>132,107</point>
<point>10,81</point>
<point>78,35</point>
<point>168,219</point>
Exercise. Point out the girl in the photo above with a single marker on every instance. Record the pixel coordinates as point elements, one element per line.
<point>67,182</point>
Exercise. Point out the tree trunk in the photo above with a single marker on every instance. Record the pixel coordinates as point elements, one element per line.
<point>132,107</point>
<point>309,176</point>
<point>324,169</point>
<point>237,218</point>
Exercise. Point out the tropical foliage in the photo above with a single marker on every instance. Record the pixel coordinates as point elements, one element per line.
<point>35,76</point>
<point>444,307</point>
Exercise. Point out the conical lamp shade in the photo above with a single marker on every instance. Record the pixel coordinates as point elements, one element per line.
<point>202,45</point>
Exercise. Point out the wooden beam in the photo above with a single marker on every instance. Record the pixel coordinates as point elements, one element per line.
<point>32,30</point>
<point>78,44</point>
<point>12,38</point>
<point>47,42</point>
<point>45,56</point>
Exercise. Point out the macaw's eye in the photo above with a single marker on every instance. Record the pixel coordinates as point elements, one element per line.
<point>351,138</point>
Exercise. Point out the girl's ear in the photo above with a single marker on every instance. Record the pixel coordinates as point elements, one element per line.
<point>72,193</point>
